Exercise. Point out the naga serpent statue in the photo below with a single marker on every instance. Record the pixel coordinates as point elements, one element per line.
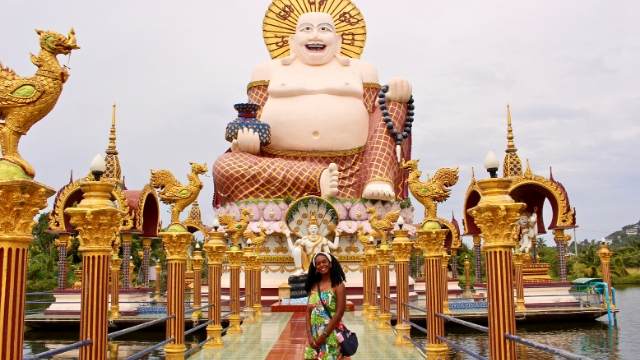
<point>26,100</point>
<point>173,193</point>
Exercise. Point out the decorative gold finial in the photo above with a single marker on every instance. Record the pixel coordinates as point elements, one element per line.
<point>511,146</point>
<point>528,173</point>
<point>473,174</point>
<point>111,148</point>
<point>512,166</point>
<point>113,171</point>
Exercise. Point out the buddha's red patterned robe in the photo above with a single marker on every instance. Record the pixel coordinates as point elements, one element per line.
<point>277,174</point>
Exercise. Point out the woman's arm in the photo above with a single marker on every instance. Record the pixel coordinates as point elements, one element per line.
<point>341,299</point>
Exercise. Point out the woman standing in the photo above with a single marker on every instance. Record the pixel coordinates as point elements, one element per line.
<point>327,301</point>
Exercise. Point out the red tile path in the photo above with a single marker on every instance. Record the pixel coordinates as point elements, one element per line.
<point>292,340</point>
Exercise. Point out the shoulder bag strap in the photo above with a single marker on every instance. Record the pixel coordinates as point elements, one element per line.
<point>322,302</point>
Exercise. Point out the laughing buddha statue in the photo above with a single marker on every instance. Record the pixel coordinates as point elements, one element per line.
<point>328,137</point>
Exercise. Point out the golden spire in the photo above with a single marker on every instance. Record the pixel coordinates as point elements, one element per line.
<point>113,170</point>
<point>512,166</point>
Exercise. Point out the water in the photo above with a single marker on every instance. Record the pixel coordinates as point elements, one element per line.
<point>594,339</point>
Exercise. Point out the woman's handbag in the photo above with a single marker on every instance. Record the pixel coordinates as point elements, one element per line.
<point>349,344</point>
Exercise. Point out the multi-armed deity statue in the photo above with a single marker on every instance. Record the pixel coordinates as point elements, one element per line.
<point>328,136</point>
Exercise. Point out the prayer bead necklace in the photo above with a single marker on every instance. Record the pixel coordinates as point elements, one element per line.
<point>396,135</point>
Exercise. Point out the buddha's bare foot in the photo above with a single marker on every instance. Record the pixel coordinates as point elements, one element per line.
<point>379,190</point>
<point>329,181</point>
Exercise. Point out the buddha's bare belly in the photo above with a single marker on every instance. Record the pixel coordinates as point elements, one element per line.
<point>316,122</point>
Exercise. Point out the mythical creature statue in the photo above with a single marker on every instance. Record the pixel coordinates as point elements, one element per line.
<point>173,193</point>
<point>382,225</point>
<point>234,228</point>
<point>327,134</point>
<point>363,237</point>
<point>256,239</point>
<point>429,193</point>
<point>303,249</point>
<point>24,101</point>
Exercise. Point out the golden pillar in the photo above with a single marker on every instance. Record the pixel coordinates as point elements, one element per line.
<point>131,270</point>
<point>402,254</point>
<point>21,201</point>
<point>605,261</point>
<point>248,257</point>
<point>146,258</point>
<point>430,239</point>
<point>234,256</point>
<point>372,282</point>
<point>127,239</point>
<point>188,274</point>
<point>477,253</point>
<point>454,264</point>
<point>215,248</point>
<point>113,349</point>
<point>257,286</point>
<point>445,283</point>
<point>197,282</point>
<point>467,278</point>
<point>63,242</point>
<point>116,263</point>
<point>496,215</point>
<point>518,260</point>
<point>158,284</point>
<point>561,240</point>
<point>383,254</point>
<point>175,240</point>
<point>364,265</point>
<point>98,222</point>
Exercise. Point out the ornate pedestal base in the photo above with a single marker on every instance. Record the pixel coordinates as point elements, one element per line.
<point>384,321</point>
<point>403,331</point>
<point>214,332</point>
<point>437,351</point>
<point>538,272</point>
<point>234,324</point>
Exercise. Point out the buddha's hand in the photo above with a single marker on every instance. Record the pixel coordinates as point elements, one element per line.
<point>246,141</point>
<point>399,90</point>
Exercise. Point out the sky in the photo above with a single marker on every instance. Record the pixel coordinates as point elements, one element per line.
<point>175,69</point>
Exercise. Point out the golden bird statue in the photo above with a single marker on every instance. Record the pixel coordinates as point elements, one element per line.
<point>26,100</point>
<point>234,228</point>
<point>382,225</point>
<point>256,239</point>
<point>432,191</point>
<point>173,193</point>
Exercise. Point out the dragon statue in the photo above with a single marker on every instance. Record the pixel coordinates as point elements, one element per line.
<point>382,225</point>
<point>26,100</point>
<point>173,193</point>
<point>433,191</point>
<point>234,228</point>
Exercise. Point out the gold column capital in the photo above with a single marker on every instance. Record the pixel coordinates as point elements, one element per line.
<point>383,254</point>
<point>560,237</point>
<point>604,253</point>
<point>215,247</point>
<point>116,263</point>
<point>127,237</point>
<point>401,246</point>
<point>146,242</point>
<point>176,239</point>
<point>431,241</point>
<point>497,223</point>
<point>519,258</point>
<point>21,201</point>
<point>476,240</point>
<point>234,256</point>
<point>96,218</point>
<point>197,259</point>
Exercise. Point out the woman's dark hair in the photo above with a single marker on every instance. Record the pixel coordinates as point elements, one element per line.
<point>335,273</point>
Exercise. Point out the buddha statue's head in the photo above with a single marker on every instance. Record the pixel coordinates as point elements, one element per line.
<point>315,41</point>
<point>313,229</point>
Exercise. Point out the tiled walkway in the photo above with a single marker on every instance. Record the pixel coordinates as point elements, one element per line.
<point>281,336</point>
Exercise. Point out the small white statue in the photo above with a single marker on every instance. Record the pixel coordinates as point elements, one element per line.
<point>529,230</point>
<point>303,249</point>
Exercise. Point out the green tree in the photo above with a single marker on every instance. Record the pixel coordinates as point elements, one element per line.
<point>42,270</point>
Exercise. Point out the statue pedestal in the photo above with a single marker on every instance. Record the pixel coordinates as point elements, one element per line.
<point>297,284</point>
<point>536,273</point>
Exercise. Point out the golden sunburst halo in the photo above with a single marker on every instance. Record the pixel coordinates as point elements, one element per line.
<point>282,16</point>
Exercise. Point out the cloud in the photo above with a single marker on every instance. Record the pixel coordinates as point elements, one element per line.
<point>569,70</point>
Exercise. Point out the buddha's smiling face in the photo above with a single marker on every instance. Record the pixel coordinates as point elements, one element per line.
<point>315,41</point>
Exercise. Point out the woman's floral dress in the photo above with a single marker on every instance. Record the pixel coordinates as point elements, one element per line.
<point>330,350</point>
